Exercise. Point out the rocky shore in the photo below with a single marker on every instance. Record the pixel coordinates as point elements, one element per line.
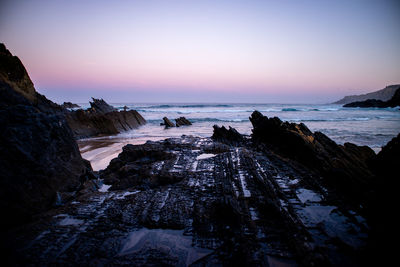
<point>102,119</point>
<point>203,202</point>
<point>283,196</point>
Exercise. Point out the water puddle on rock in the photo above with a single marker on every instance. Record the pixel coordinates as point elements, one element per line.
<point>172,242</point>
<point>205,156</point>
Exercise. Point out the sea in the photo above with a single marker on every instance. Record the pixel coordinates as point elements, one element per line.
<point>372,127</point>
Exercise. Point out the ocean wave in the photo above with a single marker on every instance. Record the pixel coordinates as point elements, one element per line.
<point>185,106</point>
<point>333,119</point>
<point>217,120</point>
<point>290,109</point>
<point>310,109</point>
<point>193,120</point>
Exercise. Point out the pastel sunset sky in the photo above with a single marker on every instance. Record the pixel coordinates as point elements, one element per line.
<point>204,51</point>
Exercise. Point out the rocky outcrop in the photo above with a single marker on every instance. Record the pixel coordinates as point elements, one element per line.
<point>373,103</point>
<point>228,136</point>
<point>69,105</point>
<point>344,168</point>
<point>87,123</point>
<point>167,123</point>
<point>39,158</point>
<point>383,95</point>
<point>207,202</point>
<point>100,106</point>
<point>102,119</point>
<point>182,121</point>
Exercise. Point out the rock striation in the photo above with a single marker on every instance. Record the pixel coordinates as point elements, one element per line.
<point>182,121</point>
<point>102,119</point>
<point>167,123</point>
<point>209,203</point>
<point>343,168</point>
<point>39,158</point>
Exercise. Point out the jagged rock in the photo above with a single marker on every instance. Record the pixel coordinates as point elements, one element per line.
<point>226,205</point>
<point>167,123</point>
<point>13,72</point>
<point>70,105</point>
<point>85,123</point>
<point>231,136</point>
<point>344,168</point>
<point>39,158</point>
<point>182,121</point>
<point>393,102</point>
<point>100,106</point>
<point>102,119</point>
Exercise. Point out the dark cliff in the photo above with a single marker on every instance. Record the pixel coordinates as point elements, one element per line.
<point>39,158</point>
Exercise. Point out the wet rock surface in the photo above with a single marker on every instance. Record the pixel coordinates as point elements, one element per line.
<point>102,119</point>
<point>344,169</point>
<point>196,201</point>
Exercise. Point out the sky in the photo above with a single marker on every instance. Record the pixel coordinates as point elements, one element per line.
<point>204,51</point>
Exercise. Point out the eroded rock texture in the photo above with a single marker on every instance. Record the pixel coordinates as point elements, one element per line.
<point>343,168</point>
<point>196,201</point>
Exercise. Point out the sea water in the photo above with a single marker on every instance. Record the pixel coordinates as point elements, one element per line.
<point>373,127</point>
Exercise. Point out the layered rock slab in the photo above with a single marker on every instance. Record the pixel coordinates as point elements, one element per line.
<point>234,206</point>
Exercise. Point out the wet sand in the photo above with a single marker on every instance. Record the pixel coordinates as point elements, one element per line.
<point>101,150</point>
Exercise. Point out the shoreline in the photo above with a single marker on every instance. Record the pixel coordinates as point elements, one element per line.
<point>101,150</point>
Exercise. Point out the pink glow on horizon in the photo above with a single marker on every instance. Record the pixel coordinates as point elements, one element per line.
<point>253,47</point>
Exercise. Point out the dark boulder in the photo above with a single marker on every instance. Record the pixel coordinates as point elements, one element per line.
<point>133,166</point>
<point>228,136</point>
<point>39,158</point>
<point>182,121</point>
